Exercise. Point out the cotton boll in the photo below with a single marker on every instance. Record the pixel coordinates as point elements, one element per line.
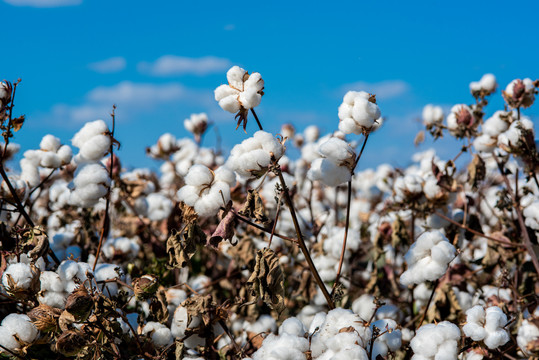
<point>159,206</point>
<point>159,334</point>
<point>485,143</point>
<point>531,215</point>
<point>432,115</point>
<point>94,149</point>
<point>21,274</point>
<point>65,154</point>
<point>488,83</point>
<point>438,341</point>
<point>88,131</point>
<point>427,258</point>
<point>29,172</point>
<point>496,124</point>
<point>460,120</point>
<point>107,272</point>
<point>7,340</point>
<point>123,247</point>
<point>50,143</point>
<point>528,333</point>
<point>311,133</point>
<point>357,114</point>
<point>292,326</point>
<point>328,172</point>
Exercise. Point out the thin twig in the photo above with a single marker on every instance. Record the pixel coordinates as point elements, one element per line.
<point>347,221</point>
<point>301,241</point>
<point>523,229</point>
<point>436,282</point>
<point>256,118</point>
<point>247,221</point>
<point>106,220</point>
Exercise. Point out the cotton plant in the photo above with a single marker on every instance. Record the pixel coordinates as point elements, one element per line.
<point>16,331</point>
<point>487,325</point>
<point>432,115</point>
<point>427,258</point>
<point>520,93</point>
<point>461,120</point>
<point>528,337</point>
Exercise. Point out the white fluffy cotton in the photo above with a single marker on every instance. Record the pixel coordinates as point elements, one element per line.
<point>436,342</point>
<point>242,91</point>
<point>15,330</point>
<point>91,183</point>
<point>432,115</point>
<point>93,140</point>
<point>335,166</point>
<point>487,325</point>
<point>427,258</point>
<point>357,114</point>
<point>207,190</point>
<point>253,156</point>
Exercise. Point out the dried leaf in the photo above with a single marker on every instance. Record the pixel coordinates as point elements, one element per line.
<point>182,246</point>
<point>17,123</point>
<point>244,252</point>
<point>224,231</point>
<point>179,353</point>
<point>158,308</point>
<point>476,171</point>
<point>399,233</point>
<point>254,207</point>
<point>419,138</point>
<point>267,280</point>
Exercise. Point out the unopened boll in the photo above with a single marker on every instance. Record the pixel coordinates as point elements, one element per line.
<point>358,114</point>
<point>242,91</point>
<point>335,166</point>
<point>252,158</point>
<point>427,258</point>
<point>432,115</point>
<point>207,190</point>
<point>487,325</point>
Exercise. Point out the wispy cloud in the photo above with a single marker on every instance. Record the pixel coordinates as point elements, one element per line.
<point>132,98</point>
<point>170,65</point>
<point>43,3</point>
<point>107,66</point>
<point>384,89</point>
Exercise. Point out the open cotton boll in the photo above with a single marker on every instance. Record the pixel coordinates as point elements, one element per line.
<point>509,140</point>
<point>427,258</point>
<point>159,207</point>
<point>183,321</point>
<point>357,114</point>
<point>252,157</point>
<point>205,190</point>
<point>528,333</point>
<point>487,85</point>
<point>282,347</point>
<point>329,172</point>
<point>460,119</point>
<point>68,270</point>
<point>311,133</point>
<point>407,186</point>
<point>88,131</point>
<point>196,124</point>
<point>94,149</point>
<point>436,342</point>
<point>90,183</point>
<point>50,143</point>
<point>17,328</point>
<point>520,93</point>
<point>485,143</point>
<point>21,274</point>
<point>123,247</point>
<point>338,151</point>
<point>29,172</point>
<point>432,115</point>
<point>292,326</point>
<point>243,90</point>
<point>531,214</point>
<point>497,123</point>
<point>159,333</point>
<point>486,325</point>
<point>390,340</point>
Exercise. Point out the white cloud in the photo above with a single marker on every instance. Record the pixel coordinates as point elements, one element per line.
<point>111,65</point>
<point>384,89</point>
<point>168,65</point>
<point>43,3</point>
<point>131,99</point>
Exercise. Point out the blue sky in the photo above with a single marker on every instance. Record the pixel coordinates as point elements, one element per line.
<point>160,61</point>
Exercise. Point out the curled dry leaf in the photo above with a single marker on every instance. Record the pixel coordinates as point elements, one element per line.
<point>267,280</point>
<point>224,231</point>
<point>182,246</point>
<point>254,207</point>
<point>476,171</point>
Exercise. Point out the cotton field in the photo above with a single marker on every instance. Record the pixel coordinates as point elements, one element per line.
<point>281,248</point>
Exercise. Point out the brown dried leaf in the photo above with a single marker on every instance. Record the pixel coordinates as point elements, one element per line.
<point>158,307</point>
<point>419,138</point>
<point>224,231</point>
<point>476,171</point>
<point>267,280</point>
<point>182,246</point>
<point>17,123</point>
<point>244,252</point>
<point>254,207</point>
<point>399,233</point>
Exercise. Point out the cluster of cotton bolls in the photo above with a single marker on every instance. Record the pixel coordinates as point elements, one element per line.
<point>91,181</point>
<point>432,244</point>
